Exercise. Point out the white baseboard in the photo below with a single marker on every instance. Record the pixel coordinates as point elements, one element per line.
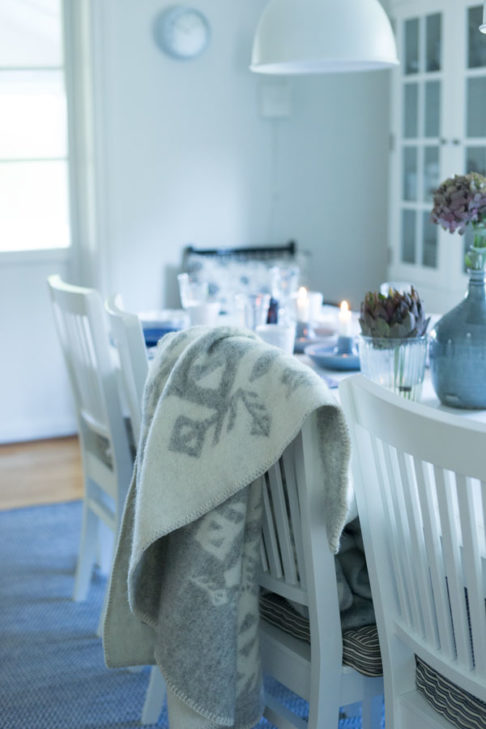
<point>25,430</point>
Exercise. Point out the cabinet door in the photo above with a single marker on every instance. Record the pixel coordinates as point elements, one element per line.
<point>439,129</point>
<point>470,139</point>
<point>418,144</point>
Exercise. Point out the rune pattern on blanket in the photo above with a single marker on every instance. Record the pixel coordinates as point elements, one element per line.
<point>211,386</point>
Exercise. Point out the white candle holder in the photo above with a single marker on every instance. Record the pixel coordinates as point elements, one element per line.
<point>345,345</point>
<point>304,335</point>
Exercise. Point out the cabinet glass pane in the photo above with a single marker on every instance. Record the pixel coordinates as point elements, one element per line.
<point>410,173</point>
<point>30,33</point>
<point>408,236</point>
<point>476,106</point>
<point>433,32</point>
<point>476,42</point>
<point>410,110</point>
<point>476,160</point>
<point>429,238</point>
<point>431,172</point>
<point>412,46</point>
<point>432,109</point>
<point>41,188</point>
<point>32,114</point>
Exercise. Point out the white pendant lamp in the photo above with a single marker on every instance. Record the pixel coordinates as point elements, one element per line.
<point>482,27</point>
<point>323,36</point>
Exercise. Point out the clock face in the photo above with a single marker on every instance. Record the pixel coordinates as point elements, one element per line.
<point>182,32</point>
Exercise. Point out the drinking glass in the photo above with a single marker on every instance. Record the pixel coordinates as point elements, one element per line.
<point>397,364</point>
<point>284,282</point>
<point>251,309</point>
<point>280,335</point>
<point>192,291</point>
<point>206,313</point>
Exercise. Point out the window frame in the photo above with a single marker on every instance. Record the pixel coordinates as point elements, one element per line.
<point>68,67</point>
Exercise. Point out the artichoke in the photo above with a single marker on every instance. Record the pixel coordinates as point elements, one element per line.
<point>396,316</point>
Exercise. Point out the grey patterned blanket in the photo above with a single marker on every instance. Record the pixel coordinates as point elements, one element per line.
<point>220,407</point>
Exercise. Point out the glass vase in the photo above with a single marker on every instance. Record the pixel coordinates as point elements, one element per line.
<point>458,349</point>
<point>397,364</point>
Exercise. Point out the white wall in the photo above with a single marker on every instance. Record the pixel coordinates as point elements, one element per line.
<point>184,156</point>
<point>189,159</point>
<point>34,392</point>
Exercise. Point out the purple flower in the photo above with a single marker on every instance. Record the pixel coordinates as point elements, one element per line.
<point>460,200</point>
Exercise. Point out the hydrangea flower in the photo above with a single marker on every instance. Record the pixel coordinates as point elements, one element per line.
<point>460,200</point>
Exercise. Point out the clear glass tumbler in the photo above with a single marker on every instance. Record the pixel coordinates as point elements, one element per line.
<point>397,364</point>
<point>251,310</point>
<point>192,292</point>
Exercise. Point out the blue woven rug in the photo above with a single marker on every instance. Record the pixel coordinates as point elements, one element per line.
<point>52,674</point>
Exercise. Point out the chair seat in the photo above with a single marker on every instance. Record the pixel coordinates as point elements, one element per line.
<point>361,649</point>
<point>458,706</point>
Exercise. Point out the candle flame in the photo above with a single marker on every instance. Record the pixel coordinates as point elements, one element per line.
<point>344,306</point>
<point>302,293</point>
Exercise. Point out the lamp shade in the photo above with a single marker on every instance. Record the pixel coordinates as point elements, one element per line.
<point>482,27</point>
<point>323,36</point>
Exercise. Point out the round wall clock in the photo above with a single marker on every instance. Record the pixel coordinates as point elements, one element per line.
<point>182,32</point>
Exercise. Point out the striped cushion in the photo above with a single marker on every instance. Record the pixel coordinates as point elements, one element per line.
<point>361,649</point>
<point>277,611</point>
<point>458,706</point>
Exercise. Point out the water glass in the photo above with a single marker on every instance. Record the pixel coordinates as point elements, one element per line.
<point>280,335</point>
<point>192,291</point>
<point>251,310</point>
<point>284,281</point>
<point>206,313</point>
<point>397,364</point>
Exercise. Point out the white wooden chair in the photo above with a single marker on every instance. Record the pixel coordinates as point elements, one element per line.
<point>420,480</point>
<point>107,461</point>
<point>127,336</point>
<point>298,565</point>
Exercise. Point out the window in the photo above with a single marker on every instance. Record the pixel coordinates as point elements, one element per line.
<point>34,204</point>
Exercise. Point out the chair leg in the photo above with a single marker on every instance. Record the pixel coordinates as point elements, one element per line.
<point>104,556</point>
<point>104,608</point>
<point>87,553</point>
<point>154,697</point>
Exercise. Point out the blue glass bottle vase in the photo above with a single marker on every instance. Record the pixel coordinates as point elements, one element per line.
<point>457,349</point>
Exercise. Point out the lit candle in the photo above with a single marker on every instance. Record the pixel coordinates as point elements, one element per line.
<point>302,304</point>
<point>345,321</point>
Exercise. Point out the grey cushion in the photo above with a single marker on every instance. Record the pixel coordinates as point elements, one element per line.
<point>458,706</point>
<point>361,649</point>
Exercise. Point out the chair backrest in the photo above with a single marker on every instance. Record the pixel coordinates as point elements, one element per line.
<point>420,481</point>
<point>293,525</point>
<point>82,329</point>
<point>229,271</point>
<point>297,563</point>
<point>127,336</point>
<point>246,253</point>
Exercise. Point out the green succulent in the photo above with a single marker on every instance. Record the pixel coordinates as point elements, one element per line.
<point>396,315</point>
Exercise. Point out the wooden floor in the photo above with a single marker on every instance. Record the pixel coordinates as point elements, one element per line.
<point>40,472</point>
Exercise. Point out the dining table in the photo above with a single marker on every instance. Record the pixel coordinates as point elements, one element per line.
<point>326,332</point>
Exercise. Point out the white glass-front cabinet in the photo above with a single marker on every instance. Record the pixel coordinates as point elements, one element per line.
<point>438,130</point>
